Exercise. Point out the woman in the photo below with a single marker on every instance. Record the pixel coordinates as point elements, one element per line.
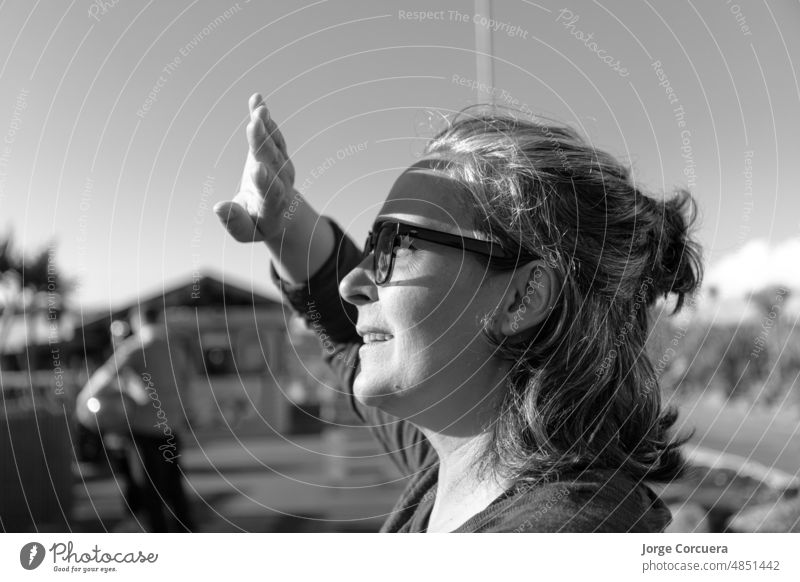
<point>492,332</point>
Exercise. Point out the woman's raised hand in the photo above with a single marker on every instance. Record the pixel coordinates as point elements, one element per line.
<point>269,209</point>
<point>260,211</point>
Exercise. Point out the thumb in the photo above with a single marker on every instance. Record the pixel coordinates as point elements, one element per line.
<point>237,222</point>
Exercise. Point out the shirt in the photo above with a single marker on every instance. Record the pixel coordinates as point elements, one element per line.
<point>584,501</point>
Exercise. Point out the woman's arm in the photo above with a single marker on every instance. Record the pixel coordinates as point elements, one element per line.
<point>326,314</point>
<point>310,256</point>
<point>268,209</point>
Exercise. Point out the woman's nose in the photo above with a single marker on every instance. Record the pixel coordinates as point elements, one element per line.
<point>358,286</point>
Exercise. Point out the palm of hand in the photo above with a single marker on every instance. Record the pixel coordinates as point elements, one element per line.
<point>259,211</point>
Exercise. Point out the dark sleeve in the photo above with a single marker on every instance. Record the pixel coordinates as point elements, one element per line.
<point>333,320</point>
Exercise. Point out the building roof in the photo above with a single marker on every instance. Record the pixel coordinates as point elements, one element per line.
<point>203,290</point>
<point>200,290</point>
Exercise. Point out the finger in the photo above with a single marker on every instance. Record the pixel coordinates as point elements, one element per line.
<point>250,202</point>
<point>263,148</point>
<point>237,222</point>
<point>267,129</point>
<point>255,100</point>
<point>256,133</point>
<point>266,181</point>
<point>271,128</point>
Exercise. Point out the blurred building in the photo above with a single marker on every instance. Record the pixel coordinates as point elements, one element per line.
<point>252,377</point>
<point>236,339</point>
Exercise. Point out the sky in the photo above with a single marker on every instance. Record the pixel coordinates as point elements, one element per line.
<point>122,122</point>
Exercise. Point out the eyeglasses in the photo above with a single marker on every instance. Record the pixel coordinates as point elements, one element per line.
<point>389,235</point>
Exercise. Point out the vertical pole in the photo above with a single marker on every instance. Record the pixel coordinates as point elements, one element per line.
<point>483,51</point>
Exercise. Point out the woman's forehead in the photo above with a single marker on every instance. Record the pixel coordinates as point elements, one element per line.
<point>430,197</point>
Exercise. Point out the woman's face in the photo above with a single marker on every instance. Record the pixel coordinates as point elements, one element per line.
<point>424,351</point>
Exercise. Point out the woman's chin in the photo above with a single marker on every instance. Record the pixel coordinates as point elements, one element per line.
<point>370,396</point>
<point>373,394</point>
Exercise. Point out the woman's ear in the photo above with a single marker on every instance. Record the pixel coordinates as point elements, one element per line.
<point>529,298</point>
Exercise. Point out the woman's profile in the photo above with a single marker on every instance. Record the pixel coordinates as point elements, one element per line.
<point>492,330</point>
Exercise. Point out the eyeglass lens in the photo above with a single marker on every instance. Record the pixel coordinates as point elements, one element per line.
<point>384,248</point>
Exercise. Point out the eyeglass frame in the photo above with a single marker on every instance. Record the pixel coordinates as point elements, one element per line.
<point>493,250</point>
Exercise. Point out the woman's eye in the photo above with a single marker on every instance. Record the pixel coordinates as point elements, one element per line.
<point>406,244</point>
<point>407,260</point>
<point>404,254</point>
<point>405,251</point>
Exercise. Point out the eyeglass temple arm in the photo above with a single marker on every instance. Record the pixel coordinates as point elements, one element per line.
<point>484,247</point>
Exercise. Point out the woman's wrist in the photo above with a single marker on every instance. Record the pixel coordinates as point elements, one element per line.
<point>304,245</point>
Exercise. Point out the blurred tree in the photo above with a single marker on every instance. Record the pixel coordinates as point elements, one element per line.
<point>28,283</point>
<point>775,361</point>
<point>771,297</point>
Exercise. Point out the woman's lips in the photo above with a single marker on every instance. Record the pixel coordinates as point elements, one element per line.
<point>375,338</point>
